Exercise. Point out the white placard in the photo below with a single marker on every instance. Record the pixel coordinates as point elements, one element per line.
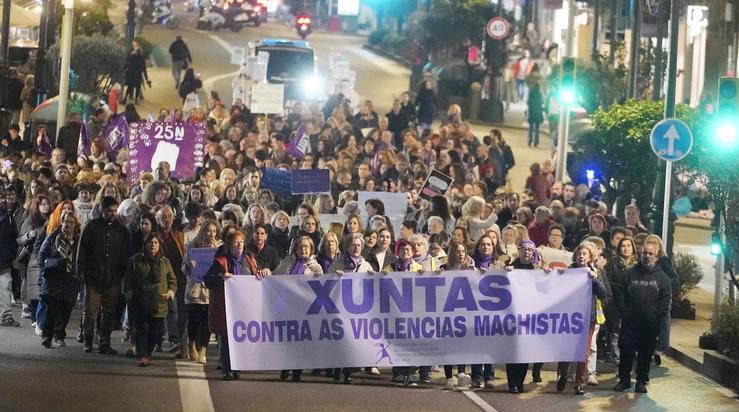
<point>267,98</point>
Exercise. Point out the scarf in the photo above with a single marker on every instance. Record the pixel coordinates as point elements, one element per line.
<point>530,245</point>
<point>352,264</point>
<point>403,266</point>
<point>236,269</point>
<point>66,251</point>
<point>483,261</point>
<point>298,267</point>
<point>326,262</point>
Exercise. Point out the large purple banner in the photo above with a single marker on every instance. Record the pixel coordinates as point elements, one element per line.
<point>182,145</point>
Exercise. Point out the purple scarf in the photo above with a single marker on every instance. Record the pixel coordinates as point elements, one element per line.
<point>236,265</point>
<point>298,267</point>
<point>484,261</point>
<point>351,263</point>
<point>326,262</point>
<point>403,266</point>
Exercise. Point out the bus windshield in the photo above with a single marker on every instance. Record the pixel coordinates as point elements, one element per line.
<point>286,64</point>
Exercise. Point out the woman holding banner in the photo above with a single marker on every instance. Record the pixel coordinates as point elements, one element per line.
<point>197,296</point>
<point>229,261</point>
<point>486,255</point>
<point>529,259</point>
<point>300,262</point>
<point>585,255</point>
<point>459,260</point>
<point>328,250</point>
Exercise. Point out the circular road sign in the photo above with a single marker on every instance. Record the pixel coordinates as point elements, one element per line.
<point>671,139</point>
<point>498,28</point>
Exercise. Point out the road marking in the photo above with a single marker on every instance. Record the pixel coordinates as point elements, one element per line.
<point>479,402</point>
<point>209,82</point>
<point>194,389</point>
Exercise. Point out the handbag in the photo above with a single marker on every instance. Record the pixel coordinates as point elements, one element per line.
<point>24,256</point>
<point>199,292</point>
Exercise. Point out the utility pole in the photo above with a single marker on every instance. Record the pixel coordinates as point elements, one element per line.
<point>563,128</point>
<point>615,10</point>
<point>658,78</point>
<point>634,52</point>
<point>5,45</point>
<point>66,57</point>
<point>661,194</point>
<point>595,53</point>
<point>46,37</point>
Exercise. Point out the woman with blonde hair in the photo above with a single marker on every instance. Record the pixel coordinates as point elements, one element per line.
<point>279,234</point>
<point>328,250</point>
<point>254,216</point>
<point>473,210</point>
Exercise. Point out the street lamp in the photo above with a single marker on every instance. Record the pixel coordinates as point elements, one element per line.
<point>66,55</point>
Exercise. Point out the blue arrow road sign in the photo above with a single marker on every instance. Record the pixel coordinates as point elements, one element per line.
<point>671,139</point>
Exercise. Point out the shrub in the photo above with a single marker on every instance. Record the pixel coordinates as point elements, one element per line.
<point>394,43</point>
<point>689,274</point>
<point>726,326</point>
<point>376,36</point>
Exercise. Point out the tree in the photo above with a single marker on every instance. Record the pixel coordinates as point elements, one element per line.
<point>618,148</point>
<point>97,60</point>
<point>91,18</point>
<point>450,24</point>
<point>598,83</point>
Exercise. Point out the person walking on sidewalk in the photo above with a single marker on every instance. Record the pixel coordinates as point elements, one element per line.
<point>180,59</point>
<point>101,262</point>
<point>643,298</point>
<point>135,70</point>
<point>535,114</point>
<point>8,248</point>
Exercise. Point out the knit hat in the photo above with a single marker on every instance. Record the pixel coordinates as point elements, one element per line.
<point>109,201</point>
<point>598,215</point>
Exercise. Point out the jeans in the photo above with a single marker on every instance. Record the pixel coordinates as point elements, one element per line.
<point>521,89</point>
<point>148,334</point>
<point>6,295</point>
<point>39,315</point>
<point>177,67</point>
<point>177,317</point>
<point>197,325</point>
<point>99,303</point>
<point>534,134</point>
<point>57,317</point>
<point>632,339</point>
<point>485,370</point>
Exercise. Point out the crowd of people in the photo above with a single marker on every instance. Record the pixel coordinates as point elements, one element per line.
<point>73,231</point>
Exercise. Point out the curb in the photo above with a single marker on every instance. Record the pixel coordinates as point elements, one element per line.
<point>716,367</point>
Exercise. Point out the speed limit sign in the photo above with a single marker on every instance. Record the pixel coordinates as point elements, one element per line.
<point>498,28</point>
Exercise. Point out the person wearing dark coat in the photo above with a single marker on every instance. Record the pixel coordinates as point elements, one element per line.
<point>101,262</point>
<point>135,70</point>
<point>535,114</point>
<point>69,136</point>
<point>180,58</point>
<point>190,84</point>
<point>148,284</point>
<point>397,122</point>
<point>279,238</point>
<point>265,255</point>
<point>427,106</point>
<point>58,283</point>
<point>229,261</point>
<point>643,298</point>
<point>8,249</point>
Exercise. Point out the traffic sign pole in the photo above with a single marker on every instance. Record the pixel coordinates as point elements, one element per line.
<point>667,199</point>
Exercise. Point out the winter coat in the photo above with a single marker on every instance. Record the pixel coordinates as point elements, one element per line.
<point>56,281</point>
<point>535,108</point>
<point>33,270</point>
<point>343,263</point>
<point>643,296</point>
<point>311,267</point>
<point>179,51</point>
<point>147,280</point>
<point>267,258</point>
<point>426,103</point>
<point>103,253</point>
<point>280,240</point>
<point>8,235</point>
<point>135,69</point>
<point>214,280</point>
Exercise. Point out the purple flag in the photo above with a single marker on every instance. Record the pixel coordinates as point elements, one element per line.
<point>300,144</point>
<point>115,136</point>
<point>83,144</point>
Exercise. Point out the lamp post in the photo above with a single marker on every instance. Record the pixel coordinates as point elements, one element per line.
<point>66,55</point>
<point>4,46</point>
<point>131,22</point>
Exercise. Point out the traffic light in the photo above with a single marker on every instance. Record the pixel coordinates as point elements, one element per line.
<point>567,94</point>
<point>716,244</point>
<point>727,123</point>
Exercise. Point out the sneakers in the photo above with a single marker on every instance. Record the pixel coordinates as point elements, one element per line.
<point>46,343</point>
<point>592,381</point>
<point>488,385</point>
<point>374,371</point>
<point>80,336</point>
<point>641,387</point>
<point>172,347</point>
<point>87,348</point>
<point>449,384</point>
<point>579,390</point>
<point>26,313</point>
<point>464,380</point>
<point>476,384</point>
<point>10,322</point>
<point>36,329</point>
<point>59,343</point>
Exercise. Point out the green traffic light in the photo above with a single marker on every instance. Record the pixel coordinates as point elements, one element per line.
<point>726,132</point>
<point>715,249</point>
<point>567,96</point>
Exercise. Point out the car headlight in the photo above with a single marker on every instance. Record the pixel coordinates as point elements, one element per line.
<point>313,86</point>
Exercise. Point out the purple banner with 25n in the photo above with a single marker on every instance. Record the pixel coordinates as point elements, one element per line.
<point>406,319</point>
<point>182,145</point>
